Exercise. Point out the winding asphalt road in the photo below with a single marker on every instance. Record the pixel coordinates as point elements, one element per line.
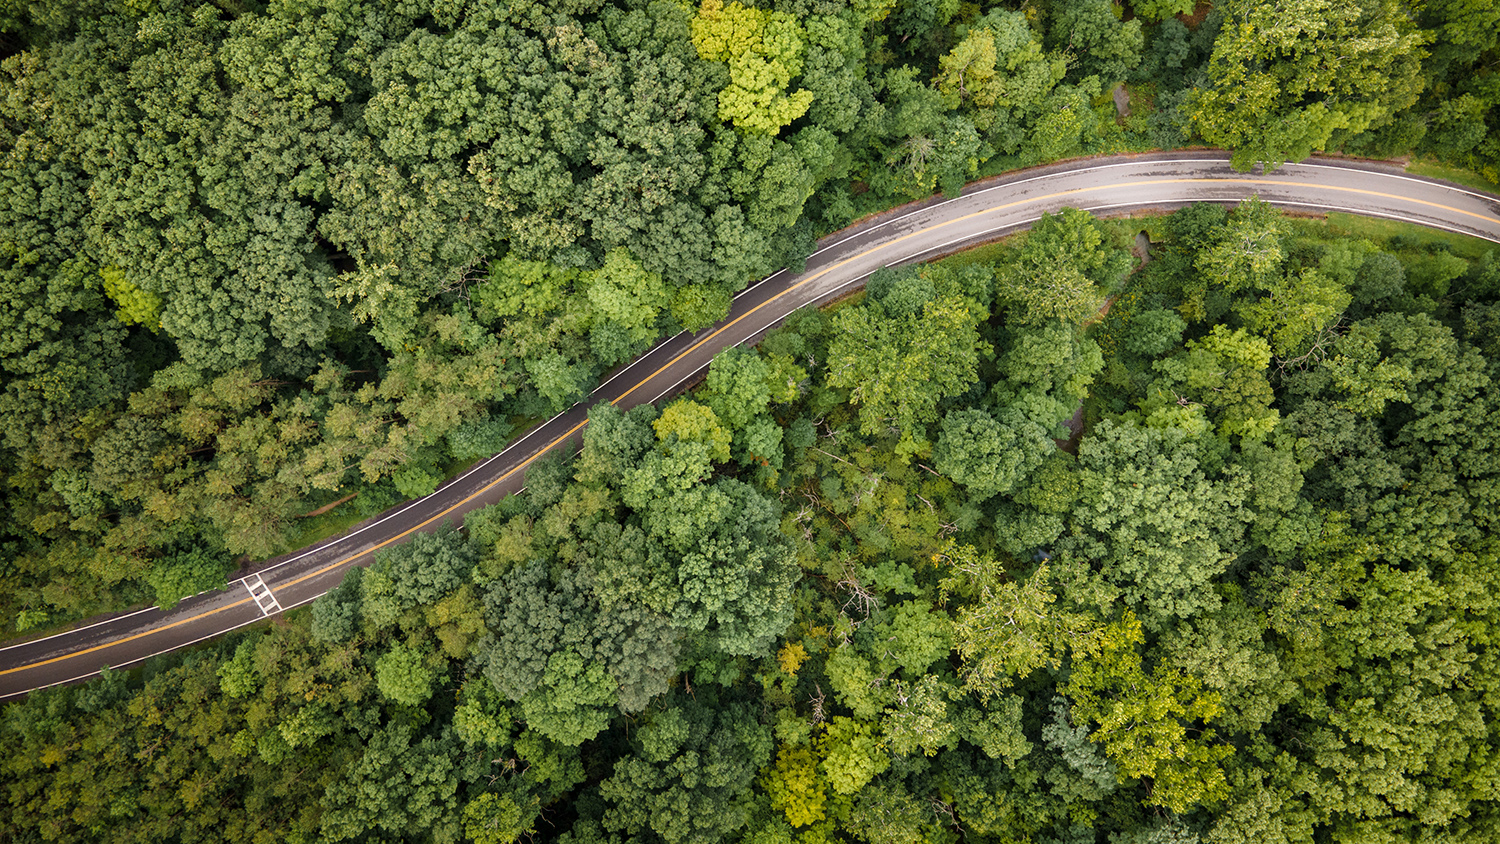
<point>986,210</point>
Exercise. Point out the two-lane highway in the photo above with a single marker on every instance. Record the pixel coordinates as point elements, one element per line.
<point>986,210</point>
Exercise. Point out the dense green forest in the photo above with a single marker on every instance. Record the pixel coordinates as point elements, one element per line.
<point>863,584</point>
<point>852,588</point>
<point>258,257</point>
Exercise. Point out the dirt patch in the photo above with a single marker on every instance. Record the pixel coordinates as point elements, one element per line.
<point>1200,12</point>
<point>327,507</point>
<point>1109,302</point>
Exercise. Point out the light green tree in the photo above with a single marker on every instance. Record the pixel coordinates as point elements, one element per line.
<point>403,676</point>
<point>1007,629</point>
<point>625,294</point>
<point>897,368</point>
<point>1143,718</point>
<point>1224,373</point>
<point>1296,309</point>
<point>794,786</point>
<point>689,423</point>
<point>1061,270</point>
<point>494,818</point>
<point>999,74</point>
<point>764,51</point>
<point>1287,79</point>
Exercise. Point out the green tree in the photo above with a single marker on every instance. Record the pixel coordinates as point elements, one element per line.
<point>1227,650</point>
<point>899,367</point>
<point>572,702</point>
<point>418,572</point>
<point>1245,251</point>
<point>1065,124</point>
<point>1046,374</point>
<point>764,51</point>
<point>1166,562</point>
<point>738,387</point>
<point>1286,81</point>
<point>1000,76</point>
<point>988,456</point>
<point>494,818</point>
<point>614,441</point>
<point>626,295</point>
<point>920,18</point>
<point>1143,718</point>
<point>402,781</point>
<point>850,754</point>
<point>187,573</point>
<point>736,571</point>
<point>1154,332</point>
<point>688,780</point>
<point>1161,10</point>
<point>561,382</point>
<point>1060,270</point>
<point>403,675</point>
<point>1104,46</point>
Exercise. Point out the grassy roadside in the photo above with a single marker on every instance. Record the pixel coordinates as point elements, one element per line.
<point>1411,238</point>
<point>1457,175</point>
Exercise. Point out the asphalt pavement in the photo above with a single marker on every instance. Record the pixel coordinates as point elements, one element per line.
<point>921,231</point>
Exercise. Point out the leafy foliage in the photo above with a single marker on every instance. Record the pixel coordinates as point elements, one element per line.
<point>1275,95</point>
<point>259,258</point>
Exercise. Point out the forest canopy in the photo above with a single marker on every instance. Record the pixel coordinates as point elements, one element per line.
<point>1249,601</point>
<point>258,257</point>
<point>1034,544</point>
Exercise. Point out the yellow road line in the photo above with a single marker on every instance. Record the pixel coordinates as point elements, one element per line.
<point>669,364</point>
<point>481,491</point>
<point>324,570</point>
<point>1008,205</point>
<point>1345,190</point>
<point>814,277</point>
<point>131,638</point>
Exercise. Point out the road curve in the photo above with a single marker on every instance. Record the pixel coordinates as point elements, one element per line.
<point>986,210</point>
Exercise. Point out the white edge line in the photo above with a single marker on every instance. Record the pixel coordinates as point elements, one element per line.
<point>131,662</point>
<point>1022,222</point>
<point>384,517</point>
<point>389,514</point>
<point>632,364</point>
<point>916,211</point>
<point>1349,168</point>
<point>128,663</point>
<point>882,224</point>
<point>1360,212</point>
<point>983,191</point>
